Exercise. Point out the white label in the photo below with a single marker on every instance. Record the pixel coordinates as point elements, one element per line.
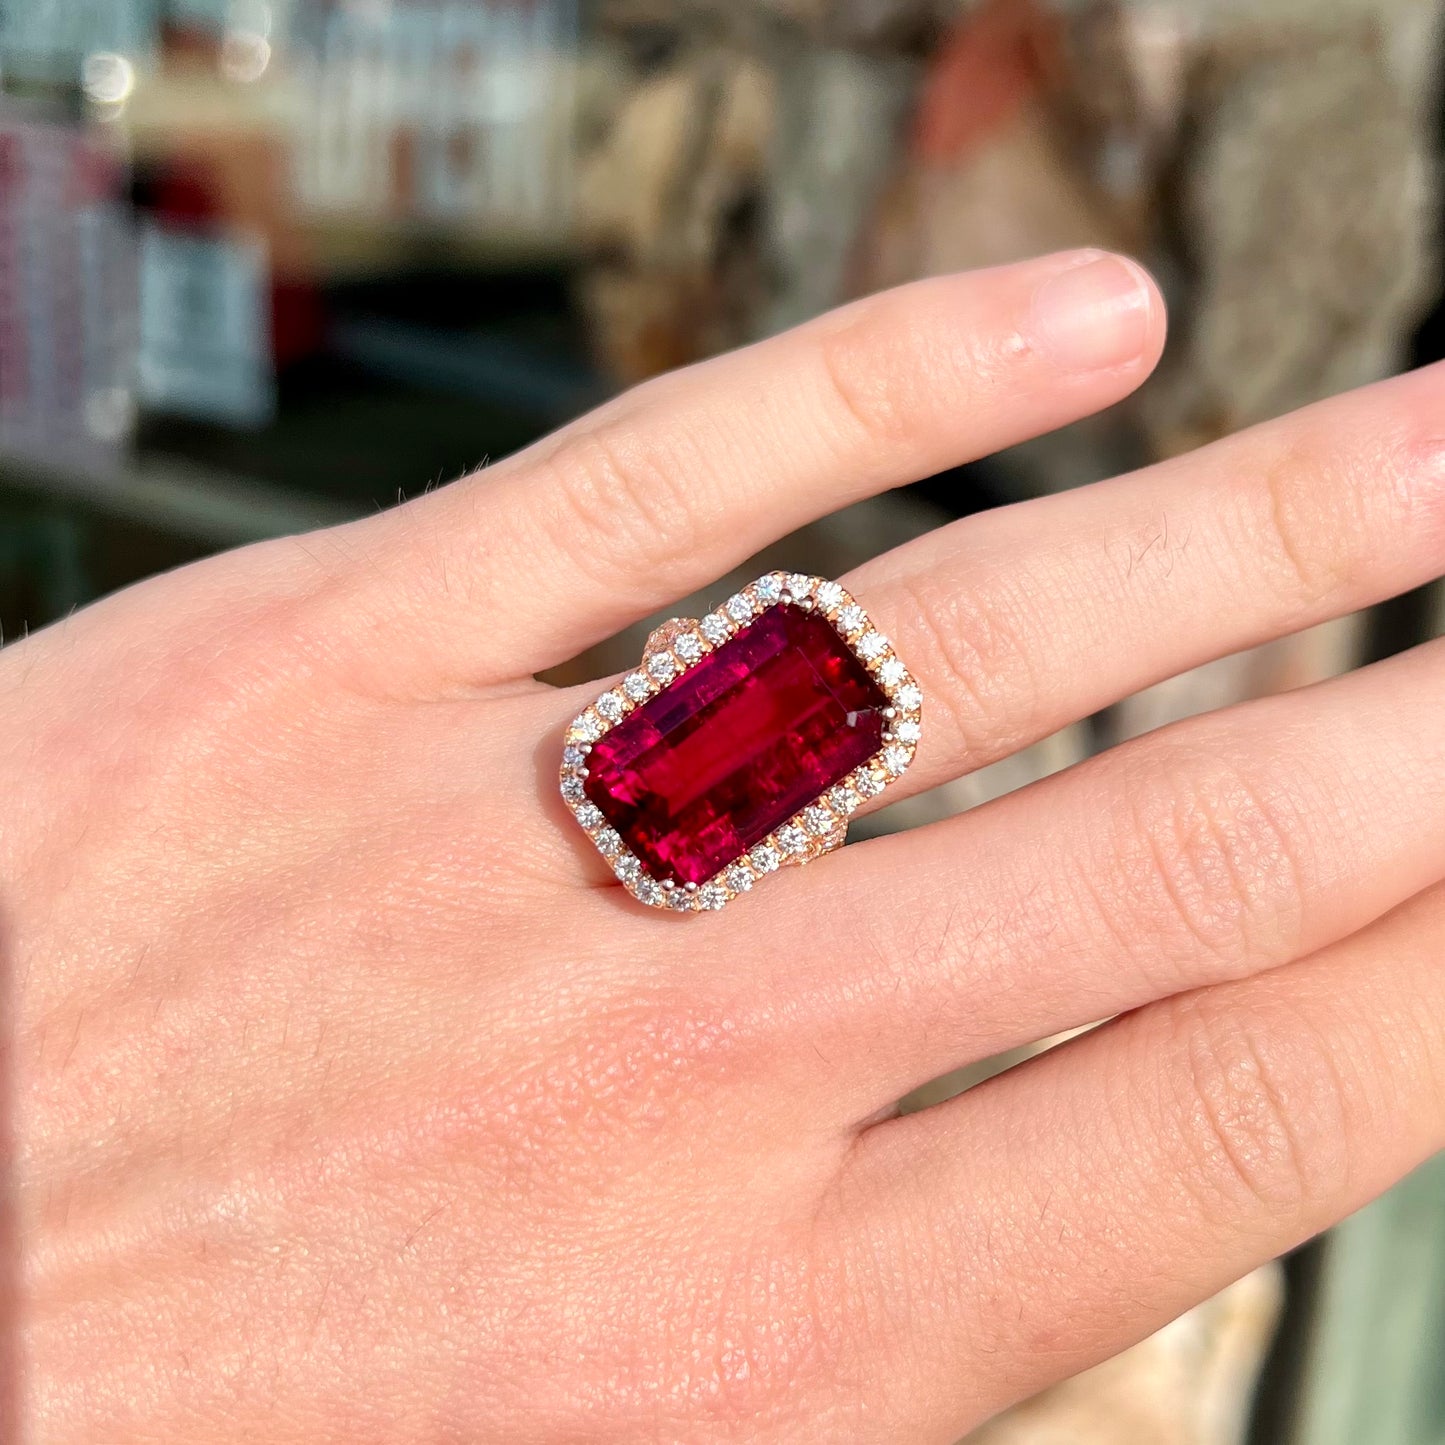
<point>205,330</point>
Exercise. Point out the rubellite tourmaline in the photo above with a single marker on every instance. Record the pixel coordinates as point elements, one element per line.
<point>758,729</point>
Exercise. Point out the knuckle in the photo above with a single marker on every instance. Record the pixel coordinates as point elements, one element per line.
<point>968,644</point>
<point>1329,505</point>
<point>1264,1110</point>
<point>627,499</point>
<point>636,1067</point>
<point>884,368</point>
<point>1292,523</point>
<point>1207,863</point>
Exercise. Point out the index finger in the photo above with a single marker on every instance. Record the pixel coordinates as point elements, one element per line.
<point>663,490</point>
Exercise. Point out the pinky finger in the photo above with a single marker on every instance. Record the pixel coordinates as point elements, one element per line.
<point>1067,1209</point>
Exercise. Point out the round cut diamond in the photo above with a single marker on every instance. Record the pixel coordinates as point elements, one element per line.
<point>906,731</point>
<point>649,891</point>
<point>818,821</point>
<point>627,868</point>
<point>608,842</point>
<point>611,706</point>
<point>909,697</point>
<point>891,672</point>
<point>680,899</point>
<point>715,627</point>
<point>738,878</point>
<point>768,588</point>
<point>792,839</point>
<point>572,790</point>
<point>712,897</point>
<point>688,647</point>
<point>637,687</point>
<point>587,727</point>
<point>895,760</point>
<point>843,800</point>
<point>764,858</point>
<point>829,594</point>
<point>573,756</point>
<point>590,816</point>
<point>852,617</point>
<point>662,665</point>
<point>799,585</point>
<point>739,607</point>
<point>868,784</point>
<point>871,645</point>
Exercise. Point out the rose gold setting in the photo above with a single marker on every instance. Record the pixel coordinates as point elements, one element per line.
<point>813,831</point>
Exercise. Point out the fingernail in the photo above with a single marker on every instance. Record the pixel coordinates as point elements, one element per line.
<point>1095,315</point>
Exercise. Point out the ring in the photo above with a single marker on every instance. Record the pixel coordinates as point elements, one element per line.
<point>742,743</point>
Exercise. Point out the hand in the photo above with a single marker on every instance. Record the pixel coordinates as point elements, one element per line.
<point>357,1103</point>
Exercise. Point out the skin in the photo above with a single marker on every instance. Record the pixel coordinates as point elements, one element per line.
<point>354,1101</point>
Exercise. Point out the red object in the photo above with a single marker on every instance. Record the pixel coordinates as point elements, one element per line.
<point>997,59</point>
<point>755,731</point>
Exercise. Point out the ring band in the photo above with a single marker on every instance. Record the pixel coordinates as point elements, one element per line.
<point>743,742</point>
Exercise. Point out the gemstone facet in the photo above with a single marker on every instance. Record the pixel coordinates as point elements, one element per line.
<point>757,730</point>
<point>758,737</point>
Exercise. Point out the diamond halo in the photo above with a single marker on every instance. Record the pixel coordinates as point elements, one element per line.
<point>816,828</point>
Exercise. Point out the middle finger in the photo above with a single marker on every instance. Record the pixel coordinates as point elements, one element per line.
<point>1022,620</point>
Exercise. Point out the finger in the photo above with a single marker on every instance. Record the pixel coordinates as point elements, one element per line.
<point>1211,850</point>
<point>681,479</point>
<point>1058,1214</point>
<point>1019,621</point>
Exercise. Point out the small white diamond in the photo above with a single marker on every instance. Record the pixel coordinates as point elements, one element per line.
<point>891,672</point>
<point>715,627</point>
<point>829,594</point>
<point>637,686</point>
<point>764,858</point>
<point>688,647</point>
<point>909,697</point>
<point>738,878</point>
<point>608,843</point>
<point>739,607</point>
<point>662,665</point>
<point>590,816</point>
<point>768,588</point>
<point>649,891</point>
<point>907,731</point>
<point>895,760</point>
<point>799,585</point>
<point>712,897</point>
<point>680,899</point>
<point>572,790</point>
<point>843,800</point>
<point>870,645</point>
<point>852,617</point>
<point>792,839</point>
<point>587,727</point>
<point>573,756</point>
<point>611,706</point>
<point>627,868</point>
<point>818,821</point>
<point>867,784</point>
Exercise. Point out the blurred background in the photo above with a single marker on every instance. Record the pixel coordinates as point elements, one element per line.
<point>269,264</point>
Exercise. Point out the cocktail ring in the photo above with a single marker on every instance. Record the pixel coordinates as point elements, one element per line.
<point>742,743</point>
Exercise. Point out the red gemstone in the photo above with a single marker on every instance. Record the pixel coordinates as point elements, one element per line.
<point>759,728</point>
